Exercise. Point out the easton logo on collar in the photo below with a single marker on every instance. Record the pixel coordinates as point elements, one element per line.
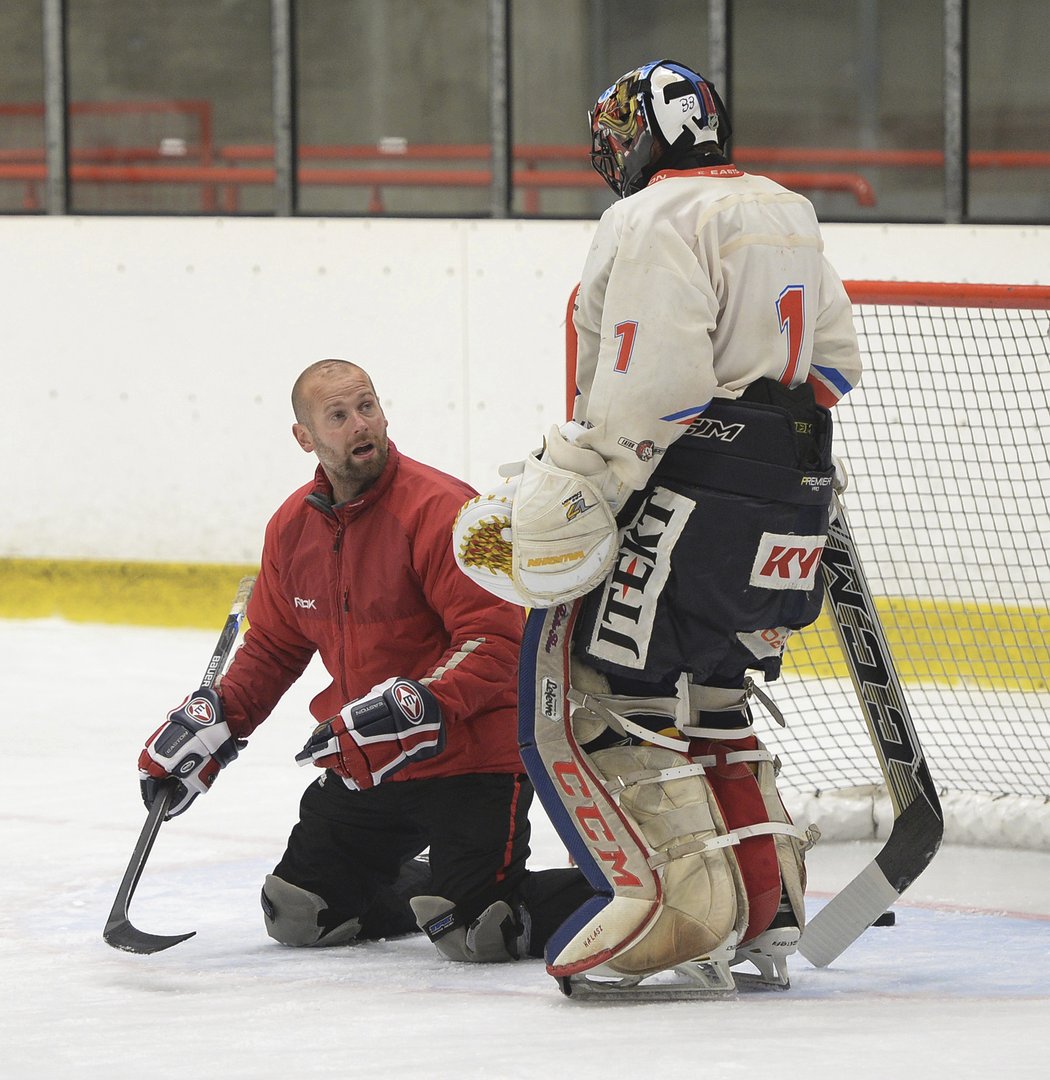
<point>710,170</point>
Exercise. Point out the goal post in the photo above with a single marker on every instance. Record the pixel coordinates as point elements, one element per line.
<point>946,443</point>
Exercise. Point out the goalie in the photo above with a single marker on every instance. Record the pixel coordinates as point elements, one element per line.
<point>669,540</point>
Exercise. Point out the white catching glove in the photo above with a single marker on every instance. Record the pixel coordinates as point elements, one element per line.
<point>547,535</point>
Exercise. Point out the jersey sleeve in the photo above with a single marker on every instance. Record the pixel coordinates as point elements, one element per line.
<point>645,312</point>
<point>836,365</point>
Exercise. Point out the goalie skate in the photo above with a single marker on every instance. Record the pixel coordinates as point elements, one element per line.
<point>768,953</point>
<point>707,978</point>
<point>710,978</point>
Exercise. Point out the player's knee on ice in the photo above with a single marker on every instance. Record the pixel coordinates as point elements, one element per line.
<point>294,916</point>
<point>495,936</point>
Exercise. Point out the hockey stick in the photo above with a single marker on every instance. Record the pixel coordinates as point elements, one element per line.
<point>918,824</point>
<point>118,931</point>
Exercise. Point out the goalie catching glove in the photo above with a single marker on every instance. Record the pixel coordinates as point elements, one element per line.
<point>547,535</point>
<point>394,724</point>
<point>191,746</point>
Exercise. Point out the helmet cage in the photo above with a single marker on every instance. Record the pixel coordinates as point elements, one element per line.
<point>618,162</point>
<point>636,126</point>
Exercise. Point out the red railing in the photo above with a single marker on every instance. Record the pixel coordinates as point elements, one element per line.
<point>193,116</point>
<point>231,178</point>
<point>528,174</point>
<point>222,173</point>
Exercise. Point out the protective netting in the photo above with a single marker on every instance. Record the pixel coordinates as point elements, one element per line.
<point>949,504</point>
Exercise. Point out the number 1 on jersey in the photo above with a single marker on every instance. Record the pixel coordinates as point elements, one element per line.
<point>791,311</point>
<point>625,331</point>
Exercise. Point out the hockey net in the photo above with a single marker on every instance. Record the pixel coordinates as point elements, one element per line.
<point>945,441</point>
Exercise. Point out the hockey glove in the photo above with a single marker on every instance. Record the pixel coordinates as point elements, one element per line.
<point>191,746</point>
<point>394,724</point>
<point>546,536</point>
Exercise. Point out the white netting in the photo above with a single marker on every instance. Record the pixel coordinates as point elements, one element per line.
<point>949,503</point>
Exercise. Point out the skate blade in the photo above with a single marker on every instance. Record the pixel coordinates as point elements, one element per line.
<point>768,953</point>
<point>687,982</point>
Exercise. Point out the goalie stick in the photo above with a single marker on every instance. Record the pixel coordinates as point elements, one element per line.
<point>118,931</point>
<point>918,823</point>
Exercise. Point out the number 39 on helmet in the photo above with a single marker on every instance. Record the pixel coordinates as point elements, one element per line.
<point>651,118</point>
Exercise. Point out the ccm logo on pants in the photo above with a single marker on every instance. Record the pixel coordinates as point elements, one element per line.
<point>787,561</point>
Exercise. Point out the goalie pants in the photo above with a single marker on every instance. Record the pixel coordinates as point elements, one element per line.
<point>356,849</point>
<point>719,556</point>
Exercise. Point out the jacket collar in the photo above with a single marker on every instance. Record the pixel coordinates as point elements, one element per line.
<point>320,495</point>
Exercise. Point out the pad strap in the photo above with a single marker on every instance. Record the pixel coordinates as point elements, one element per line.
<point>621,724</point>
<point>657,776</point>
<point>731,839</point>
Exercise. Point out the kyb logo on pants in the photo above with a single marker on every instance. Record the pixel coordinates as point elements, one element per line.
<point>787,561</point>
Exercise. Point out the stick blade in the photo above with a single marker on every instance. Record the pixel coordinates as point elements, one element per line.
<point>122,935</point>
<point>913,841</point>
<point>118,930</point>
<point>846,916</point>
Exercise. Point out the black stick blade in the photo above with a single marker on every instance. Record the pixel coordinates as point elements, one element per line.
<point>122,935</point>
<point>118,931</point>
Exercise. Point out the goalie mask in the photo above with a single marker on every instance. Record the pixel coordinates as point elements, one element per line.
<point>653,118</point>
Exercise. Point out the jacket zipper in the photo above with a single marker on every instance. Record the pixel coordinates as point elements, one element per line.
<point>337,545</point>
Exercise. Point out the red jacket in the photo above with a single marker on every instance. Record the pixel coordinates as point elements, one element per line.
<point>372,585</point>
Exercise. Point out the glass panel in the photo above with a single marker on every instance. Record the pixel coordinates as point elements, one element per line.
<point>557,75</point>
<point>1009,110</point>
<point>847,93</point>
<point>157,92</point>
<point>393,107</point>
<point>21,109</point>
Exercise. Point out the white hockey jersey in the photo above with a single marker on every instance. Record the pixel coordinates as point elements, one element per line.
<point>695,287</point>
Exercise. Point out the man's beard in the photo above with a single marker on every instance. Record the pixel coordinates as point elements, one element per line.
<point>363,474</point>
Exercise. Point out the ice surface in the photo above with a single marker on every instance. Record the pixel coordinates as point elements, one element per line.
<point>959,988</point>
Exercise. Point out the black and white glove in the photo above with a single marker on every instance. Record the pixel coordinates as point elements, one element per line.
<point>394,724</point>
<point>191,746</point>
<point>545,536</point>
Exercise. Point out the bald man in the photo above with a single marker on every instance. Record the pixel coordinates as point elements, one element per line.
<point>416,735</point>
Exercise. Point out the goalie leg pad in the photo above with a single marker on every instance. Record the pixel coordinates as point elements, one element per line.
<point>744,773</point>
<point>742,804</point>
<point>772,851</point>
<point>602,842</point>
<point>634,841</point>
<point>674,810</point>
<point>791,849</point>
